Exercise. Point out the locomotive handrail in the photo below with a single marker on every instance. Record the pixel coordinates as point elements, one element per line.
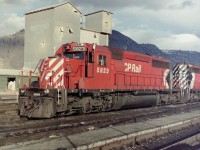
<point>37,65</point>
<point>68,68</point>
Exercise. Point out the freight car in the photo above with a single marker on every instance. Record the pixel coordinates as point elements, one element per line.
<point>84,78</point>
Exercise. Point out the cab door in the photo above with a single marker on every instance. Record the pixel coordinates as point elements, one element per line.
<point>89,64</point>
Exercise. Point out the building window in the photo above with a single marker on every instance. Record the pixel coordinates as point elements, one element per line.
<point>70,31</point>
<point>11,83</point>
<point>106,24</point>
<point>95,36</point>
<point>61,29</point>
<point>43,43</point>
<point>102,60</point>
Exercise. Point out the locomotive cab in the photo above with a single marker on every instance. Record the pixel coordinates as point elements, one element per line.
<point>86,65</point>
<point>79,63</point>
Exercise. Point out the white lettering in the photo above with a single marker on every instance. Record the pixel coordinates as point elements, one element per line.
<point>102,70</point>
<point>39,27</point>
<point>79,48</point>
<point>133,68</point>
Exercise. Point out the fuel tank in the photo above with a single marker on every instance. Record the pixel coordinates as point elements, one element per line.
<point>134,101</point>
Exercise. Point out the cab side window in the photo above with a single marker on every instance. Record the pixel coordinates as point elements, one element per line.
<point>102,60</point>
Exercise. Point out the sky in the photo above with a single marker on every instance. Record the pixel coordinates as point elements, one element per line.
<point>169,24</point>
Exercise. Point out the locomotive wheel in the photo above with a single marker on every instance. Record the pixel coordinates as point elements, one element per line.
<point>100,109</point>
<point>81,111</point>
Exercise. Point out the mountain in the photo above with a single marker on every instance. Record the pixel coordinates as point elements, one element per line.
<point>119,40</point>
<point>12,50</point>
<point>191,57</point>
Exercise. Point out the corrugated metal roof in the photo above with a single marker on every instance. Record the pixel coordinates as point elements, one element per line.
<point>51,7</point>
<point>98,12</point>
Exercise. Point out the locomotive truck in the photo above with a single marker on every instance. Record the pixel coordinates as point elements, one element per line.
<point>85,78</point>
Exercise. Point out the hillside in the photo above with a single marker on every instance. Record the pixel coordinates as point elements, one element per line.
<point>121,41</point>
<point>12,50</point>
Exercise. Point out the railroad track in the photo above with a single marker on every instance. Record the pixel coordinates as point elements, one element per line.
<point>181,137</point>
<point>192,142</point>
<point>27,130</point>
<point>8,109</point>
<point>8,112</point>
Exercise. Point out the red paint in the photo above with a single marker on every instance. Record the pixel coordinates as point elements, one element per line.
<point>131,71</point>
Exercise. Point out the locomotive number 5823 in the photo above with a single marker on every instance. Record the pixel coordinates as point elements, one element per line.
<point>102,70</point>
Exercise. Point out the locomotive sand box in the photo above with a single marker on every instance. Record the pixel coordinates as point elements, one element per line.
<point>84,78</point>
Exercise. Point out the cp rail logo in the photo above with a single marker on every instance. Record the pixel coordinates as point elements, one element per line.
<point>133,68</point>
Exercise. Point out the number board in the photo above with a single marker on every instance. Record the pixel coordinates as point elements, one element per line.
<point>79,48</point>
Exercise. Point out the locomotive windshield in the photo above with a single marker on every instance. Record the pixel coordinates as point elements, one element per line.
<point>75,55</point>
<point>79,56</point>
<point>73,52</point>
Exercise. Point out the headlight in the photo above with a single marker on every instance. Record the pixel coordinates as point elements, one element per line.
<point>22,91</point>
<point>46,91</point>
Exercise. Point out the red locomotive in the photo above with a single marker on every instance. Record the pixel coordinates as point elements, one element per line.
<point>88,78</point>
